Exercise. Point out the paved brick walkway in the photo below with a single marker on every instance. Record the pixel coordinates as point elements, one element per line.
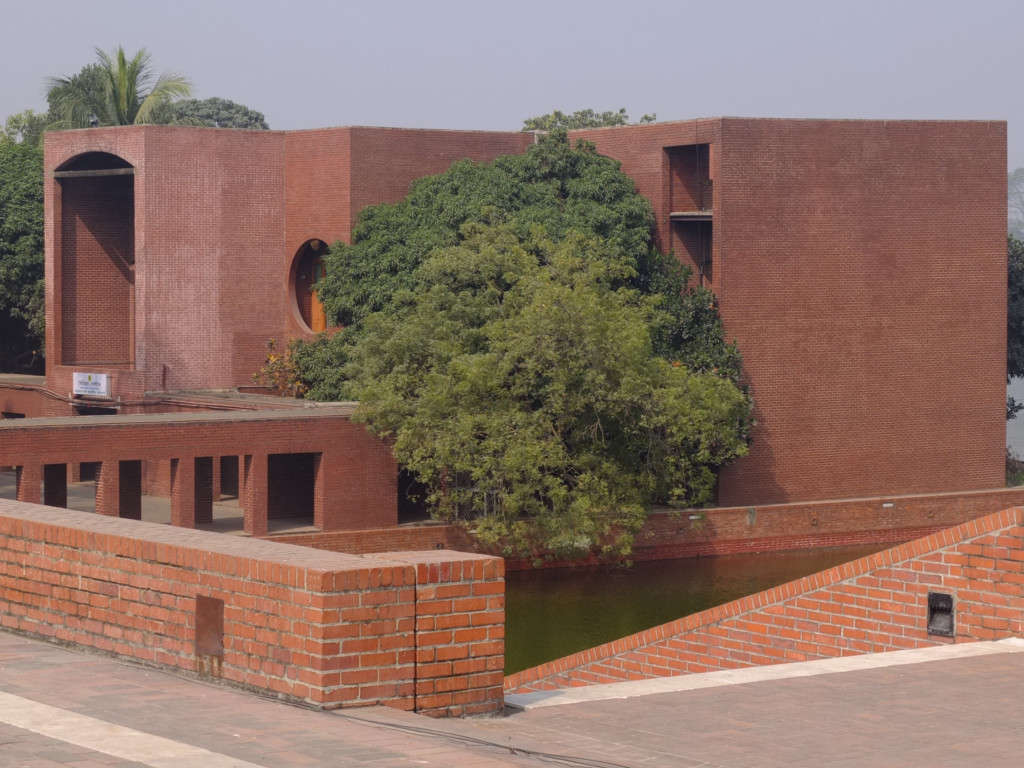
<point>62,708</point>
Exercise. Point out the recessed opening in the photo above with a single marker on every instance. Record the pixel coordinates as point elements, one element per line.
<point>940,614</point>
<point>94,410</point>
<point>229,476</point>
<point>96,253</point>
<point>290,483</point>
<point>307,270</point>
<point>209,635</point>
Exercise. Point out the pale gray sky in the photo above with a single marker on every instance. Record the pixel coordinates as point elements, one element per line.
<point>487,65</point>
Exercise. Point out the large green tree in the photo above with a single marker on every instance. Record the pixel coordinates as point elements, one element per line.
<point>216,113</point>
<point>117,90</point>
<point>534,361</point>
<point>21,256</point>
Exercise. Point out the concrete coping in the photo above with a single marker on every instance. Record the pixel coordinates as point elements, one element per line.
<point>339,410</point>
<point>634,688</point>
<point>214,543</point>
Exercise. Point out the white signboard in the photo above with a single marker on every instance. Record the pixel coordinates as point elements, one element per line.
<point>91,384</point>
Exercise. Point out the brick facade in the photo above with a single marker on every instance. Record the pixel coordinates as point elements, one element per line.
<point>846,256</point>
<point>860,265</point>
<point>875,604</point>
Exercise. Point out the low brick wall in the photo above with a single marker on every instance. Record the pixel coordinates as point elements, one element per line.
<point>877,603</point>
<point>809,524</point>
<point>419,631</point>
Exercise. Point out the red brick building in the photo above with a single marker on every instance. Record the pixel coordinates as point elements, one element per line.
<point>860,265</point>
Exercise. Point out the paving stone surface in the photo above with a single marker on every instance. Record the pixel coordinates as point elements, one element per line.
<point>962,712</point>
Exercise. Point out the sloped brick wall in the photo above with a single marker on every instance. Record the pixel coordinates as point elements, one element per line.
<point>877,603</point>
<point>418,631</point>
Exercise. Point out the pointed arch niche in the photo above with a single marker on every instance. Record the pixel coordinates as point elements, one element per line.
<point>307,269</point>
<point>97,260</point>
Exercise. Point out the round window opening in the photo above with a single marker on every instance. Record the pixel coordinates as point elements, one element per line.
<point>309,271</point>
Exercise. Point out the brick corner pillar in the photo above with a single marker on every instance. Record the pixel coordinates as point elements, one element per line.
<point>108,489</point>
<point>255,471</point>
<point>55,485</point>
<point>321,492</point>
<point>119,489</point>
<point>183,497</point>
<point>28,481</point>
<point>460,635</point>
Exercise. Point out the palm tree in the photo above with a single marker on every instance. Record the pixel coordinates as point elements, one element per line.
<point>127,92</point>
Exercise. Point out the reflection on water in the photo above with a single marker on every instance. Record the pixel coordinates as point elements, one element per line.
<point>550,614</point>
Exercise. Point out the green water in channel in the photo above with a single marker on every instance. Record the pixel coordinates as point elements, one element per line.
<point>552,613</point>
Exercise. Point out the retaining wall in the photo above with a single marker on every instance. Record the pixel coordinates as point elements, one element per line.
<point>419,631</point>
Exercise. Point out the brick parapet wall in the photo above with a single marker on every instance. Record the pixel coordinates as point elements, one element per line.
<point>419,630</point>
<point>874,604</point>
<point>831,523</point>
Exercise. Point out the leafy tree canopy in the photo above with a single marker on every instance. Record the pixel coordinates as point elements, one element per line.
<point>25,127</point>
<point>518,381</point>
<point>584,118</point>
<point>1014,319</point>
<point>21,256</point>
<point>533,360</point>
<point>1015,201</point>
<point>217,113</point>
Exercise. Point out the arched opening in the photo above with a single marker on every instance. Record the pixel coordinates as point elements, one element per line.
<point>96,253</point>
<point>308,269</point>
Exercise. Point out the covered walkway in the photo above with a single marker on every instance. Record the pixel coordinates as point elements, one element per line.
<point>309,463</point>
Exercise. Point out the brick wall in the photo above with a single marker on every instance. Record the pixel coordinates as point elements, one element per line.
<point>772,528</point>
<point>415,631</point>
<point>875,604</point>
<point>846,255</point>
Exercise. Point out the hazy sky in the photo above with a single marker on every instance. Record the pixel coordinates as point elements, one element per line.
<point>486,65</point>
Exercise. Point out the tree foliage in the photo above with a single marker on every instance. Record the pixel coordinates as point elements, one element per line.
<point>531,357</point>
<point>517,380</point>
<point>216,113</point>
<point>583,118</point>
<point>1015,202</point>
<point>1014,318</point>
<point>25,127</point>
<point>21,256</point>
<point>559,186</point>
<point>117,90</point>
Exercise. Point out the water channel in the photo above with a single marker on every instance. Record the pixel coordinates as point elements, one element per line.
<point>552,613</point>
